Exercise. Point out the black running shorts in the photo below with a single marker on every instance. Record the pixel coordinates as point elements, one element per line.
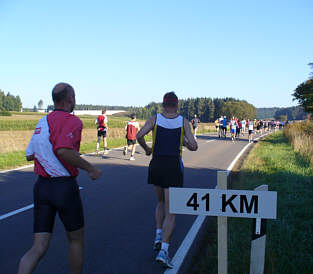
<point>166,171</point>
<point>102,133</point>
<point>57,195</point>
<point>131,142</point>
<point>250,131</point>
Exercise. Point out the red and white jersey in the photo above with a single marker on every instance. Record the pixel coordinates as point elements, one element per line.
<point>101,121</point>
<point>132,127</point>
<point>59,129</point>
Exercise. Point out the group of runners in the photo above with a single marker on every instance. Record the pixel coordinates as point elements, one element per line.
<point>239,127</point>
<point>54,148</point>
<point>131,128</point>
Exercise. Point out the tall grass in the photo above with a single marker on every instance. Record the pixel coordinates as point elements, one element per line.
<point>300,135</point>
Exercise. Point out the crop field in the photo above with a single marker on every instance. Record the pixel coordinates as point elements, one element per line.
<point>28,122</point>
<point>16,131</point>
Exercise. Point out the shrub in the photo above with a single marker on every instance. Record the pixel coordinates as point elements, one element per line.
<point>300,136</point>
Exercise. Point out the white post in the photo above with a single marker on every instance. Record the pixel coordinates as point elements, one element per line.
<point>258,242</point>
<point>222,228</point>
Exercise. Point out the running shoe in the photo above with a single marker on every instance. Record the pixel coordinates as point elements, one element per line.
<point>164,259</point>
<point>105,151</point>
<point>157,243</point>
<point>125,151</point>
<point>132,158</point>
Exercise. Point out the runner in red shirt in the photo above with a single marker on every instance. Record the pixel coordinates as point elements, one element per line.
<point>131,130</point>
<point>54,147</point>
<point>102,125</point>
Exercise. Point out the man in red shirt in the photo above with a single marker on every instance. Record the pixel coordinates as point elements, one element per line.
<point>102,125</point>
<point>54,147</point>
<point>131,130</point>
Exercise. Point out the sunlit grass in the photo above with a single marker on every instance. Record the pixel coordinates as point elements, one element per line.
<point>289,237</point>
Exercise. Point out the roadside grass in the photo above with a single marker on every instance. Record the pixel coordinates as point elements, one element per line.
<point>12,159</point>
<point>289,239</point>
<point>17,158</point>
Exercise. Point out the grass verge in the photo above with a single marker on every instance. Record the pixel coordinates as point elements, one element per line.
<point>290,236</point>
<point>17,158</point>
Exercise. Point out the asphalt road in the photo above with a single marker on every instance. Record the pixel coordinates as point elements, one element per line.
<point>119,211</point>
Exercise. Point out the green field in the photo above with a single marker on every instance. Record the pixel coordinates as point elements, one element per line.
<point>289,246</point>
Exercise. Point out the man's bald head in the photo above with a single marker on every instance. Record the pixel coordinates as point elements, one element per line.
<point>61,91</point>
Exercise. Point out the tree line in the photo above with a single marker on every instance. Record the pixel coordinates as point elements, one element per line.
<point>207,109</point>
<point>289,113</point>
<point>9,102</point>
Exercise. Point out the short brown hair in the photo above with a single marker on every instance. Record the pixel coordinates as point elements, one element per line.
<point>170,99</point>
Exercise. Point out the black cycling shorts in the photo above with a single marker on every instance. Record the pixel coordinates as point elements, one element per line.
<point>131,142</point>
<point>166,171</point>
<point>57,195</point>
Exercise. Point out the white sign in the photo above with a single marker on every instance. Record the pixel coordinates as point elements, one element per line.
<point>218,202</point>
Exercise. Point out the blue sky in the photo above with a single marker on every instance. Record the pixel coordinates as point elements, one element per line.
<point>132,52</point>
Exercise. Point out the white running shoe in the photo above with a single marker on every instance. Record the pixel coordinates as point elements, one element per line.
<point>105,151</point>
<point>164,259</point>
<point>132,158</point>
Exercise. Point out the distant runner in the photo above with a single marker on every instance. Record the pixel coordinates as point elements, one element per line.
<point>250,128</point>
<point>216,125</point>
<point>54,147</point>
<point>220,127</point>
<point>243,126</point>
<point>102,126</point>
<point>131,130</point>
<point>225,126</point>
<point>170,132</point>
<point>233,128</point>
<point>195,121</point>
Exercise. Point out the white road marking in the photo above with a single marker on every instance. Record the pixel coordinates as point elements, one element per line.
<point>191,235</point>
<point>18,168</point>
<point>210,141</point>
<point>14,212</point>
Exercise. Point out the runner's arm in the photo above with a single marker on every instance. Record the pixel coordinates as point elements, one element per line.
<point>144,131</point>
<point>30,155</point>
<point>73,158</point>
<point>189,140</point>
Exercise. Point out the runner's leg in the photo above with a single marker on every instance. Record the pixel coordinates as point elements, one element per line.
<point>105,144</point>
<point>30,260</point>
<point>169,220</point>
<point>133,149</point>
<point>98,143</point>
<point>160,210</point>
<point>76,250</point>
